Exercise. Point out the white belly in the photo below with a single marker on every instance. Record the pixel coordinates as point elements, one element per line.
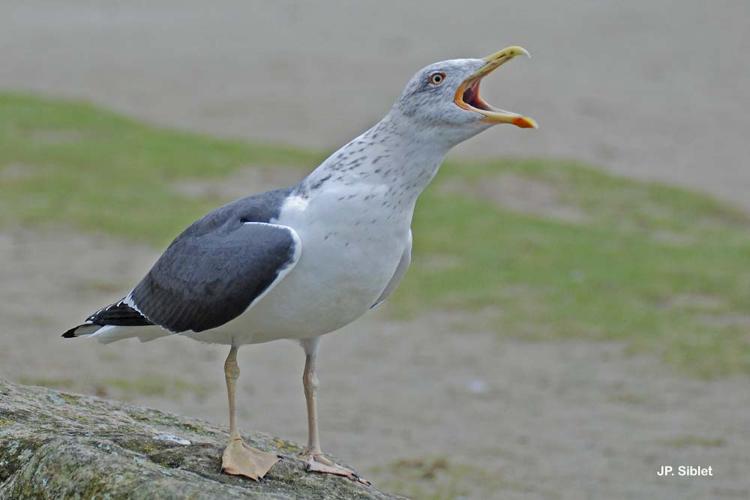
<point>348,257</point>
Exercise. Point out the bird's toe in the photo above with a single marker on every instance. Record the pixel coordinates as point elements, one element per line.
<point>324,465</point>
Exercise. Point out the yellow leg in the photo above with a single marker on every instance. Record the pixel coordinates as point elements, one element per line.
<point>240,459</point>
<point>316,460</point>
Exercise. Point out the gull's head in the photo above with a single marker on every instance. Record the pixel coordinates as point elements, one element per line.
<point>444,99</point>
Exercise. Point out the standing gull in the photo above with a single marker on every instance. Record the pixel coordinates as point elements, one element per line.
<point>300,262</point>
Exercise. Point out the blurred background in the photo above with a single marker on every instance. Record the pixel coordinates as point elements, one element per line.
<point>601,330</point>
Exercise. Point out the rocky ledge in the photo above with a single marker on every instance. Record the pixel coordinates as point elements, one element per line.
<point>55,445</point>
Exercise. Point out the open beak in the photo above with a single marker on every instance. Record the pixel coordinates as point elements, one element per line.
<point>467,94</point>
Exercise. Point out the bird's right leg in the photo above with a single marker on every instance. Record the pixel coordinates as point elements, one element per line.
<point>313,455</point>
<point>240,459</point>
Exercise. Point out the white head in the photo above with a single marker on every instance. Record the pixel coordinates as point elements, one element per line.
<point>442,100</point>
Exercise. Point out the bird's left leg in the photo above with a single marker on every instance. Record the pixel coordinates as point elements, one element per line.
<point>316,460</point>
<point>239,459</point>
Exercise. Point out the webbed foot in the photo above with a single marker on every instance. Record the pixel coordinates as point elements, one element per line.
<point>239,459</point>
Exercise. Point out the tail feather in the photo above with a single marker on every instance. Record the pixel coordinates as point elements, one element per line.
<point>113,333</point>
<point>82,330</point>
<point>107,334</point>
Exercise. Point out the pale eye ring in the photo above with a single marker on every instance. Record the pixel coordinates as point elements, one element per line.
<point>437,78</point>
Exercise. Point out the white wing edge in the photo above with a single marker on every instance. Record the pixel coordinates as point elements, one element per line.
<point>286,270</point>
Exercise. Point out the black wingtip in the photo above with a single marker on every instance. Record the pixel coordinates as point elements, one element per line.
<point>81,330</point>
<point>70,333</point>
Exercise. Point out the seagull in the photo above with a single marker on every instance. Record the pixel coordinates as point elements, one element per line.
<point>300,262</point>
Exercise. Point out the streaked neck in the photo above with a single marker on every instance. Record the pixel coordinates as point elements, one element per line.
<point>392,153</point>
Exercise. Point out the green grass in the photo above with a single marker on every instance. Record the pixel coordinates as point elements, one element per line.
<point>663,269</point>
<point>76,163</point>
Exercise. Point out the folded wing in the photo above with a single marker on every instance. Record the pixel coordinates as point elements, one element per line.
<point>206,279</point>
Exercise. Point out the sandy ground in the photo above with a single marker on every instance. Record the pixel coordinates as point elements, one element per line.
<point>657,89</point>
<point>541,420</point>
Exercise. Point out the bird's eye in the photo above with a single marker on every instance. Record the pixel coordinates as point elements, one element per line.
<point>437,78</point>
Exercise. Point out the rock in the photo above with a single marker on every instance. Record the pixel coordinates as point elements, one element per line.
<point>54,445</point>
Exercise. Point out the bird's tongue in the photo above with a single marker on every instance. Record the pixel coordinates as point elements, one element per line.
<point>471,96</point>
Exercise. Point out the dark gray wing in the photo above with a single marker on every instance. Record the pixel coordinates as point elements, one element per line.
<point>403,265</point>
<point>219,266</point>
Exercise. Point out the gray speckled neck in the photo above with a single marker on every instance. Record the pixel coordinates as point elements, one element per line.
<point>394,153</point>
